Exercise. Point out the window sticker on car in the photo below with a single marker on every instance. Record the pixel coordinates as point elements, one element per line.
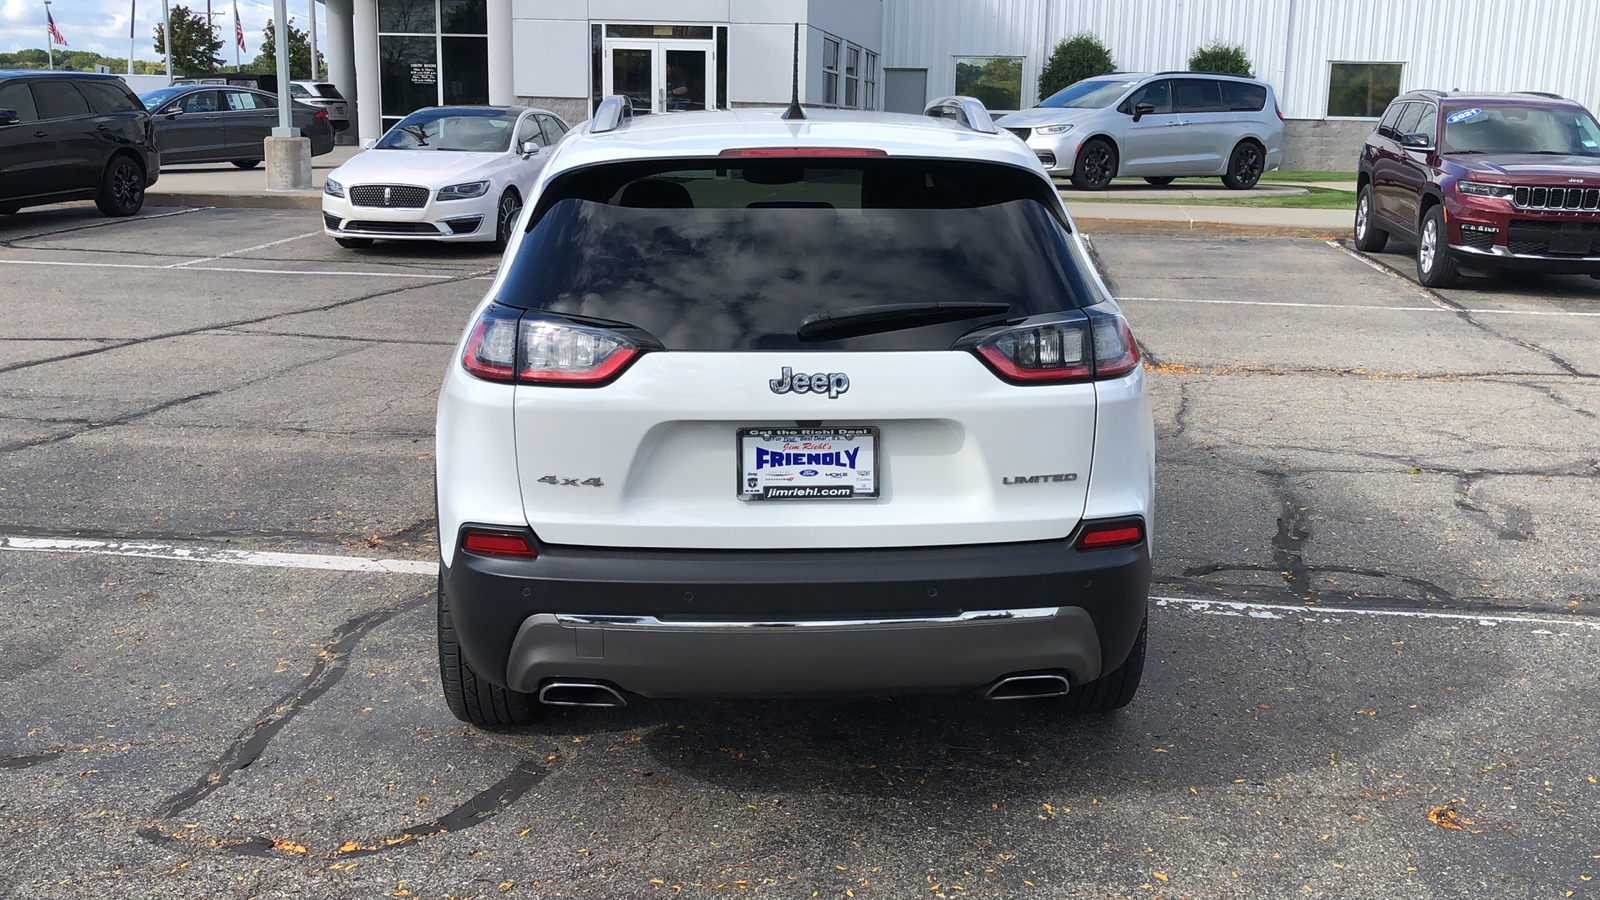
<point>1463,115</point>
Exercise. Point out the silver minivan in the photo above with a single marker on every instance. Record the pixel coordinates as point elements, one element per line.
<point>1161,127</point>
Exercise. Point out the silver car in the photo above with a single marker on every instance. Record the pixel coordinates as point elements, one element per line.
<point>1159,126</point>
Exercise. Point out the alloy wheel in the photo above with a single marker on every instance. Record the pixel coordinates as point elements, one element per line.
<point>125,186</point>
<point>1096,165</point>
<point>1247,165</point>
<point>1428,248</point>
<point>1361,217</point>
<point>510,206</point>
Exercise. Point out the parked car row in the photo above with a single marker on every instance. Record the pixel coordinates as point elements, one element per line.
<point>84,136</point>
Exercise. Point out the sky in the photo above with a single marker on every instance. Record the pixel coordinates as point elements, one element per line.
<point>102,25</point>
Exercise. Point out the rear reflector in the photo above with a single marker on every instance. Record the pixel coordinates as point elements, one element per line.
<point>1104,535</point>
<point>498,543</point>
<point>804,151</point>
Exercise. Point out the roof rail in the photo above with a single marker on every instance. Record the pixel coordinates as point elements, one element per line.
<point>968,112</point>
<point>1548,94</point>
<point>613,112</point>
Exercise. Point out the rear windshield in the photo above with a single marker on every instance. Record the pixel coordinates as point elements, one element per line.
<point>328,91</point>
<point>736,257</point>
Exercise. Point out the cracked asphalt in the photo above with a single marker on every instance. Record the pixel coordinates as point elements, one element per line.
<point>1373,643</point>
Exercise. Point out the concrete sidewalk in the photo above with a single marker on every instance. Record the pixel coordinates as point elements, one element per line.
<point>226,185</point>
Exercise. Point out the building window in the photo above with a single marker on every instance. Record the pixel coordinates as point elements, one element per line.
<point>830,71</point>
<point>869,98</point>
<point>431,53</point>
<point>1362,90</point>
<point>852,76</point>
<point>997,81</point>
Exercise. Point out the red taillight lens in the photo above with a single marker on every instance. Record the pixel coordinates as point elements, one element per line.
<point>1105,535</point>
<point>506,345</point>
<point>321,114</point>
<point>1058,351</point>
<point>562,353</point>
<point>498,543</point>
<point>1099,346</point>
<point>1115,353</point>
<point>491,351</point>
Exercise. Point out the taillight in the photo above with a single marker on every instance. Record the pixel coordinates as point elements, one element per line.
<point>1111,533</point>
<point>562,353</point>
<point>321,114</point>
<point>506,346</point>
<point>498,543</point>
<point>491,352</point>
<point>1094,346</point>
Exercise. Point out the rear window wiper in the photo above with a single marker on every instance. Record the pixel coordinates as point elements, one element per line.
<point>832,325</point>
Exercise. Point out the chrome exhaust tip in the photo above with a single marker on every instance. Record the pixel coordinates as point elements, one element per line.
<point>580,693</point>
<point>1028,687</point>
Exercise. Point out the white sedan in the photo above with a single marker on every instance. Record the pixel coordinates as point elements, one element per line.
<point>448,173</point>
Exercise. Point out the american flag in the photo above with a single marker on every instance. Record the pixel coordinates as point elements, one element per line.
<point>55,34</point>
<point>238,26</point>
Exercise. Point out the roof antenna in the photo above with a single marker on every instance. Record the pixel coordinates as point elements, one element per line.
<point>794,111</point>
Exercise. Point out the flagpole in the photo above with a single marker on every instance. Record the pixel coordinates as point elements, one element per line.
<point>313,5</point>
<point>166,36</point>
<point>49,39</point>
<point>132,11</point>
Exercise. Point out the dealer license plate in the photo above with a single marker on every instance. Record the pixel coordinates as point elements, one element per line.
<point>808,463</point>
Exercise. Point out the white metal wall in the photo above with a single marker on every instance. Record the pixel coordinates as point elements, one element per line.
<point>1492,45</point>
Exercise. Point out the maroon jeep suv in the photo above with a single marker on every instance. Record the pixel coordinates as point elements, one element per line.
<point>1483,181</point>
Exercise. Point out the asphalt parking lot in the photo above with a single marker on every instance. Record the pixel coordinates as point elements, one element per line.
<point>1374,638</point>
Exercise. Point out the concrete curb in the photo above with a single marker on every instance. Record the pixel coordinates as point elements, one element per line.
<point>295,200</point>
<point>1201,229</point>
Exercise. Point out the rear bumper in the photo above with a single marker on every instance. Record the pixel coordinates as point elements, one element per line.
<point>761,623</point>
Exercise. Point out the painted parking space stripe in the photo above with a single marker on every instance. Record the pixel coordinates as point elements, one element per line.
<point>195,262</point>
<point>224,556</point>
<point>1333,615</point>
<point>197,553</point>
<point>185,268</point>
<point>1365,308</point>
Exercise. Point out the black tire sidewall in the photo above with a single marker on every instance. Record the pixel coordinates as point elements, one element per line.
<point>1081,181</point>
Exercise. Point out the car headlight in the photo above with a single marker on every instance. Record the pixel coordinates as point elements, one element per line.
<point>332,188</point>
<point>1053,129</point>
<point>463,191</point>
<point>1480,189</point>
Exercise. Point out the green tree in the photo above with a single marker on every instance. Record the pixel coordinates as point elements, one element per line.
<point>1074,59</point>
<point>266,62</point>
<point>1222,59</point>
<point>194,43</point>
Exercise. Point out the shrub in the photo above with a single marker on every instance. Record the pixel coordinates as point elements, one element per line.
<point>1074,59</point>
<point>1222,59</point>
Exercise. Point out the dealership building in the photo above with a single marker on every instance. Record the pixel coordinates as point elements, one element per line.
<point>1334,63</point>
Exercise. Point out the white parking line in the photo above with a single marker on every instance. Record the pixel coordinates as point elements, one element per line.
<point>168,268</point>
<point>203,554</point>
<point>328,562</point>
<point>1365,308</point>
<point>192,262</point>
<point>1331,615</point>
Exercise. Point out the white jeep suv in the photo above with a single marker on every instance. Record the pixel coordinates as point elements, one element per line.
<point>766,406</point>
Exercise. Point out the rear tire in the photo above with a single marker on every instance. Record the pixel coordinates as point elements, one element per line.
<point>121,188</point>
<point>1114,689</point>
<point>1245,165</point>
<point>353,243</point>
<point>1159,180</point>
<point>247,163</point>
<point>1369,237</point>
<point>1096,166</point>
<point>1436,266</point>
<point>470,698</point>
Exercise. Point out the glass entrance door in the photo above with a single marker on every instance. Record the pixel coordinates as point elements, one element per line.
<point>660,76</point>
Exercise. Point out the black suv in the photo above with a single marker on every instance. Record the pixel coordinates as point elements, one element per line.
<point>1483,182</point>
<point>74,136</point>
